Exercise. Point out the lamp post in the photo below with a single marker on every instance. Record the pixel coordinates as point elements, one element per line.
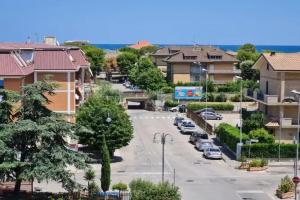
<point>163,137</point>
<point>206,77</point>
<point>297,141</point>
<point>240,144</point>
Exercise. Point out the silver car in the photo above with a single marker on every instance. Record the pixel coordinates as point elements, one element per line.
<point>211,116</point>
<point>201,144</point>
<point>213,153</point>
<point>188,128</point>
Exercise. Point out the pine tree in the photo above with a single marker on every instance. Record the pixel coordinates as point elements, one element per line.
<point>32,146</point>
<point>105,168</point>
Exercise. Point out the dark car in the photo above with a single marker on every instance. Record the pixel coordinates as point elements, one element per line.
<point>196,136</point>
<point>178,120</point>
<point>204,110</point>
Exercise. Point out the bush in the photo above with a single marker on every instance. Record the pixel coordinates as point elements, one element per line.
<point>120,186</point>
<point>229,135</point>
<point>262,135</point>
<point>258,163</point>
<point>143,190</point>
<point>221,98</point>
<point>286,185</point>
<point>167,90</point>
<point>255,121</point>
<point>210,97</point>
<point>171,103</point>
<point>210,86</point>
<point>216,106</point>
<point>260,150</point>
<point>237,98</point>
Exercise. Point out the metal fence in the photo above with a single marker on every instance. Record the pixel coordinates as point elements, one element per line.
<point>121,195</point>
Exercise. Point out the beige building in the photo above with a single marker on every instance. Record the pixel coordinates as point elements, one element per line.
<point>279,75</point>
<point>190,64</point>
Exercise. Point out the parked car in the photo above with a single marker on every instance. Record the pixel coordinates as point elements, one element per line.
<point>188,128</point>
<point>180,108</point>
<point>178,120</point>
<point>211,116</point>
<point>201,144</point>
<point>204,110</point>
<point>183,122</point>
<point>213,153</point>
<point>127,85</point>
<point>195,136</point>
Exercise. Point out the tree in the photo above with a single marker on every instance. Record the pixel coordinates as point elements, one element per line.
<point>247,72</point>
<point>130,50</point>
<point>126,61</point>
<point>33,145</point>
<point>95,56</point>
<point>89,176</point>
<point>8,98</point>
<point>148,49</point>
<point>255,121</point>
<point>262,135</point>
<point>120,186</point>
<point>93,114</point>
<point>105,167</point>
<point>210,85</point>
<point>151,79</point>
<point>247,52</point>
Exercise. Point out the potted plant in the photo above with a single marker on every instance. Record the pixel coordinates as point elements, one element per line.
<point>258,165</point>
<point>285,188</point>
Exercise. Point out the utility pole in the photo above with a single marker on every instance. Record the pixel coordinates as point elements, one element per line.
<point>163,137</point>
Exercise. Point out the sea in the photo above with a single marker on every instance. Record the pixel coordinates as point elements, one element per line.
<point>260,48</point>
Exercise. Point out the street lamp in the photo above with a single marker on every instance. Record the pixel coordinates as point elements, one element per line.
<point>163,137</point>
<point>206,77</point>
<point>239,145</point>
<point>108,119</point>
<point>297,140</point>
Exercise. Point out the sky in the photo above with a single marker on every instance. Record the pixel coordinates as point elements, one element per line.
<point>264,22</point>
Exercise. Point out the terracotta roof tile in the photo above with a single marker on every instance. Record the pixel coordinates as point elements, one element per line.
<point>283,61</point>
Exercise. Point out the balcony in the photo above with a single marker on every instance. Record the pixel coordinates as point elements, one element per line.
<point>224,71</point>
<point>267,99</point>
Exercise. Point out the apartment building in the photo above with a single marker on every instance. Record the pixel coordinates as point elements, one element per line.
<point>191,63</point>
<point>26,63</point>
<point>279,75</point>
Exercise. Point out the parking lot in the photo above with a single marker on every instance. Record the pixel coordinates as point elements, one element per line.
<point>229,118</point>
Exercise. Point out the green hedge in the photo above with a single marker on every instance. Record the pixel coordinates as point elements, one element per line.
<point>261,150</point>
<point>170,103</point>
<point>216,106</point>
<point>230,135</point>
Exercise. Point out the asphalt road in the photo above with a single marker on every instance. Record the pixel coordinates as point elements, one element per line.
<point>196,177</point>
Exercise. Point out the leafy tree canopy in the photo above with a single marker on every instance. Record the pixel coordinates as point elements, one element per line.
<point>93,114</point>
<point>151,79</point>
<point>95,57</point>
<point>33,146</point>
<point>105,167</point>
<point>247,72</point>
<point>262,135</point>
<point>126,61</point>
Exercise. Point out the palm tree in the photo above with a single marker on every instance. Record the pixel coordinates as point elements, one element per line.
<point>89,176</point>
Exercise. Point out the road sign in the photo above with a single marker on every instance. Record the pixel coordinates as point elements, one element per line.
<point>296,180</point>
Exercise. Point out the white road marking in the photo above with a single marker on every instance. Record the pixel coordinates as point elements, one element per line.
<point>250,191</point>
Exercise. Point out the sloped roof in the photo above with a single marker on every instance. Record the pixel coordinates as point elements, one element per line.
<point>140,44</point>
<point>13,61</point>
<point>280,61</point>
<point>200,54</point>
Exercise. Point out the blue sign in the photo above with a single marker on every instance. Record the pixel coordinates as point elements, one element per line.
<point>1,83</point>
<point>188,93</point>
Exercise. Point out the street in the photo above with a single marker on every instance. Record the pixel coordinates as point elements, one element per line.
<point>196,177</point>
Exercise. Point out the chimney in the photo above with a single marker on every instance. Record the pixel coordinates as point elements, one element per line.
<point>272,53</point>
<point>51,40</point>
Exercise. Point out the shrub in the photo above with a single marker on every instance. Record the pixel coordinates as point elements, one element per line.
<point>255,121</point>
<point>258,163</point>
<point>262,135</point>
<point>286,185</point>
<point>142,190</point>
<point>171,103</point>
<point>237,98</point>
<point>221,98</point>
<point>210,86</point>
<point>229,135</point>
<point>260,150</point>
<point>120,186</point>
<point>216,106</point>
<point>167,89</point>
<point>210,97</point>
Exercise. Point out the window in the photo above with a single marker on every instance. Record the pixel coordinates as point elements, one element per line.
<point>196,73</point>
<point>267,87</point>
<point>268,66</point>
<point>1,83</point>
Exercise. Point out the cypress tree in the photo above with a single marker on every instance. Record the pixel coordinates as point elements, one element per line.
<point>105,168</point>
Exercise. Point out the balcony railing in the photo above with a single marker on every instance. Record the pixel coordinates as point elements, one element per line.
<point>224,71</point>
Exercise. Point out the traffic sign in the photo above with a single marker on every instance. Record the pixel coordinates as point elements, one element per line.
<point>296,180</point>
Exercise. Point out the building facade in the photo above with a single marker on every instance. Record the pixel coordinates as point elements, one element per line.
<point>22,63</point>
<point>279,75</point>
<point>191,63</point>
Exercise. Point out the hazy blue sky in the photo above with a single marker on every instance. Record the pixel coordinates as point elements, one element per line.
<point>159,21</point>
